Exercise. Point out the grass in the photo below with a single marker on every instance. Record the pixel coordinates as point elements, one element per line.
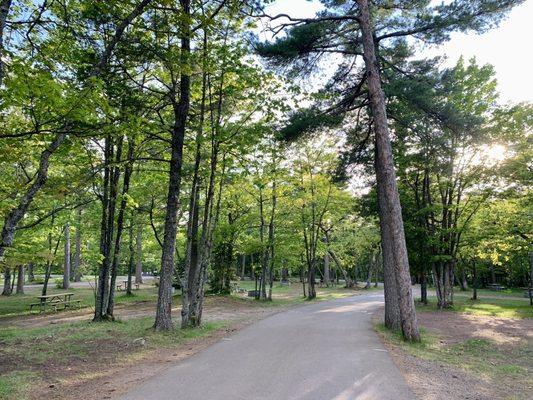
<point>292,294</point>
<point>16,384</point>
<point>494,307</point>
<point>37,352</point>
<point>479,356</point>
<point>17,305</point>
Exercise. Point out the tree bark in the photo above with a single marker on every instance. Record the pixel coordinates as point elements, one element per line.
<point>66,264</point>
<point>386,178</point>
<point>7,282</point>
<point>120,227</point>
<point>131,263</point>
<point>370,270</point>
<point>475,283</point>
<point>76,273</point>
<point>20,279</point>
<point>163,318</point>
<point>107,227</point>
<point>326,269</point>
<point>424,288</point>
<point>139,258</point>
<point>31,276</point>
<point>4,11</point>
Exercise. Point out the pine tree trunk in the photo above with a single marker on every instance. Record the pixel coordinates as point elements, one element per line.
<point>392,310</point>
<point>163,318</point>
<point>66,265</point>
<point>20,280</point>
<point>386,178</point>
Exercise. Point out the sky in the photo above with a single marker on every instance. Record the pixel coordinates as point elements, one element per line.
<point>508,48</point>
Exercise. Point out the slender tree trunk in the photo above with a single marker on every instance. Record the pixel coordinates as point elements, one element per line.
<point>190,280</point>
<point>326,269</point>
<point>348,281</point>
<point>47,273</point>
<point>386,178</point>
<point>192,260</point>
<point>20,279</point>
<point>105,240</point>
<point>120,227</point>
<point>131,263</point>
<point>463,282</point>
<point>76,273</point>
<point>163,319</point>
<point>7,282</point>
<point>66,265</point>
<point>475,282</point>
<point>31,275</point>
<point>139,258</point>
<point>369,276</point>
<point>424,288</point>
<point>302,279</point>
<point>107,228</point>
<point>311,275</point>
<point>4,11</point>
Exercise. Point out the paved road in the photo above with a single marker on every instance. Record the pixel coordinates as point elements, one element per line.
<point>324,351</point>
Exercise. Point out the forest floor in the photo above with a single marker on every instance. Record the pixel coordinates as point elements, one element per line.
<point>63,355</point>
<point>479,350</point>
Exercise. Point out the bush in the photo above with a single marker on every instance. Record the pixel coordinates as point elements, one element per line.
<point>59,283</point>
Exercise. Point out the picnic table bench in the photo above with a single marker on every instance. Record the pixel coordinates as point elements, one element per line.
<point>496,287</point>
<point>55,301</point>
<point>124,286</point>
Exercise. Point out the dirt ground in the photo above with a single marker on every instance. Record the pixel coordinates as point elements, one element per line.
<point>435,379</point>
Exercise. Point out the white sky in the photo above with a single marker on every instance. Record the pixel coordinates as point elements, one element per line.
<point>509,47</point>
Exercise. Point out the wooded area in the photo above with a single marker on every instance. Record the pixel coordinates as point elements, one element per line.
<point>201,144</point>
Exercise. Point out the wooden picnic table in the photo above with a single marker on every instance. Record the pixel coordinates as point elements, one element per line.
<point>124,286</point>
<point>54,300</point>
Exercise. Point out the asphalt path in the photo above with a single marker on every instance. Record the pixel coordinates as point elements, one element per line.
<point>327,350</point>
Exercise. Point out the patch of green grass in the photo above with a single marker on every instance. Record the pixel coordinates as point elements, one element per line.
<point>67,342</point>
<point>70,344</point>
<point>16,385</point>
<point>17,305</point>
<point>503,308</point>
<point>475,355</point>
